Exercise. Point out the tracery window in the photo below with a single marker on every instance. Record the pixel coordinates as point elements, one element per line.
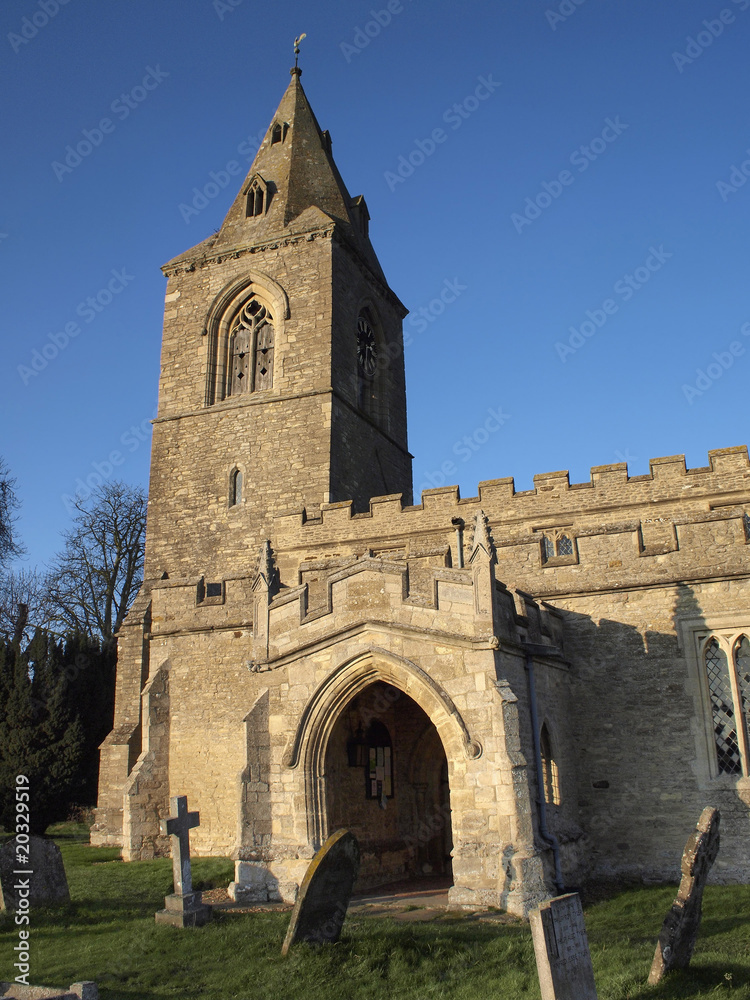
<point>251,341</point>
<point>726,661</point>
<point>550,772</point>
<point>746,525</point>
<point>557,545</point>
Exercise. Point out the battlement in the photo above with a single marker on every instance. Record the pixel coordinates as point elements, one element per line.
<point>615,531</point>
<point>610,486</point>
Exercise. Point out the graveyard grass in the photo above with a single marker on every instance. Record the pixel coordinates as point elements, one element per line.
<point>107,933</point>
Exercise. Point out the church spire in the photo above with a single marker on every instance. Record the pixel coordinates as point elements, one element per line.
<point>293,184</point>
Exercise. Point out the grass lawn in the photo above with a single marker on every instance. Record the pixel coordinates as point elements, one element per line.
<point>107,933</point>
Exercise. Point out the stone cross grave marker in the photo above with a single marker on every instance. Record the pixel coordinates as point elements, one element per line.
<point>324,895</point>
<point>562,953</point>
<point>183,908</point>
<point>680,928</point>
<point>32,874</point>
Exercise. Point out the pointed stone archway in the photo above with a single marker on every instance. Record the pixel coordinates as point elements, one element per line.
<point>386,780</point>
<point>371,684</point>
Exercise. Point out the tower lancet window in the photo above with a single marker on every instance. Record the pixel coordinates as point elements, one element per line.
<point>235,488</point>
<point>251,344</point>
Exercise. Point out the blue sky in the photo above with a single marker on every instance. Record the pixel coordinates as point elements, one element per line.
<point>569,225</point>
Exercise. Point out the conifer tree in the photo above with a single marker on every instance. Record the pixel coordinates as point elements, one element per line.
<point>42,735</point>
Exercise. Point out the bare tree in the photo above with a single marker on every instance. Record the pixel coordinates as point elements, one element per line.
<point>96,577</point>
<point>10,547</point>
<point>24,604</point>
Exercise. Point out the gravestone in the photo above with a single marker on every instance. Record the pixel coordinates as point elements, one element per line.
<point>680,928</point>
<point>32,874</point>
<point>183,907</point>
<point>562,953</point>
<point>86,990</point>
<point>324,895</point>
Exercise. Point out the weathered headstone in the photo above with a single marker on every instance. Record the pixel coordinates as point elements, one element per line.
<point>86,990</point>
<point>563,960</point>
<point>324,895</point>
<point>32,874</point>
<point>183,907</point>
<point>680,928</point>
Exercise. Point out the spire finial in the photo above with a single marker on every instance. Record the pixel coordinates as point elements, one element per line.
<point>296,71</point>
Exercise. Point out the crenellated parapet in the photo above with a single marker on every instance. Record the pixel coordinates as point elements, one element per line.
<point>616,530</point>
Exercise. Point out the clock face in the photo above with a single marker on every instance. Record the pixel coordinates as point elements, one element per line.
<point>367,353</point>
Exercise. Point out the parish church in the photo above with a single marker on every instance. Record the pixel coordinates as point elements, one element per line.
<point>519,692</point>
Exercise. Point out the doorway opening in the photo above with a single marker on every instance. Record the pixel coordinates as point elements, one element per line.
<point>386,780</point>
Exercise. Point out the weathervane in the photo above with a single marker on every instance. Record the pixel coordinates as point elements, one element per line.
<point>296,49</point>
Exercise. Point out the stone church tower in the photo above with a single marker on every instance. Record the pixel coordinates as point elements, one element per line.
<point>518,690</point>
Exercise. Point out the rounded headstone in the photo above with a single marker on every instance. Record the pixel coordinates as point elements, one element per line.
<point>324,895</point>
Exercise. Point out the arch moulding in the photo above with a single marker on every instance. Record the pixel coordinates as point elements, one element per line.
<point>310,739</point>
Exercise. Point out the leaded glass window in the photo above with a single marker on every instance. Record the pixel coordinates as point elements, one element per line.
<point>564,546</point>
<point>746,525</point>
<point>548,547</point>
<point>251,343</point>
<point>722,707</point>
<point>742,667</point>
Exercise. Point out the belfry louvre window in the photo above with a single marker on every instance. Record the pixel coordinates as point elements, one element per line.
<point>255,200</point>
<point>251,343</point>
<point>726,660</point>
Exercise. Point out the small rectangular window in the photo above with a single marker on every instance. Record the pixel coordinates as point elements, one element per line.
<point>213,590</point>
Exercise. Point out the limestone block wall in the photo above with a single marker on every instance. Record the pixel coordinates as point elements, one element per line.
<point>646,761</point>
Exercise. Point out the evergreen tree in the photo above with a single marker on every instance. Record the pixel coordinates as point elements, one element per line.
<point>43,737</point>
